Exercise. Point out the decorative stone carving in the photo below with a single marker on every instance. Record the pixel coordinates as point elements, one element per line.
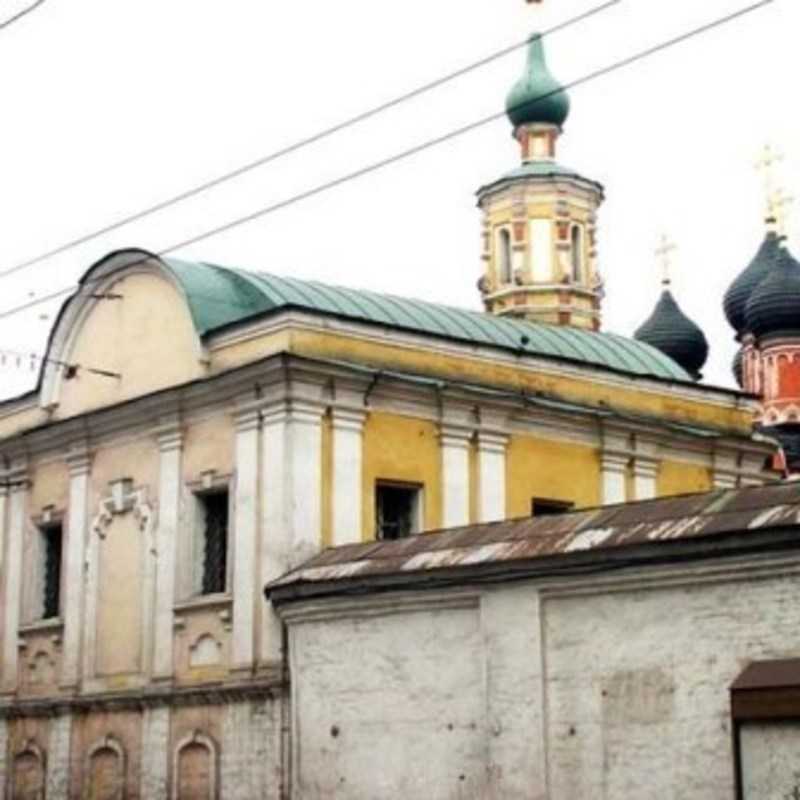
<point>206,651</point>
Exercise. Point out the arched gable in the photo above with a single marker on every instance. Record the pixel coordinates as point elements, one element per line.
<point>127,332</point>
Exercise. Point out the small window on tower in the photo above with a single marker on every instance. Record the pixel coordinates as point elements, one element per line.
<point>545,507</point>
<point>504,245</point>
<point>52,537</point>
<point>397,510</point>
<point>577,254</point>
<point>212,542</point>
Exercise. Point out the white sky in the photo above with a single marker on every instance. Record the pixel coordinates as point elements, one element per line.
<point>110,106</point>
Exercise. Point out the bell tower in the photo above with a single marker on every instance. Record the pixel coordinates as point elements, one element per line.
<point>539,220</point>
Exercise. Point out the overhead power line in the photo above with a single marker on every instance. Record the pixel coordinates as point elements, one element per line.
<point>20,14</point>
<point>201,188</point>
<point>419,148</point>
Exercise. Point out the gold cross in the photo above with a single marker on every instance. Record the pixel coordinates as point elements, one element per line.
<point>766,164</point>
<point>778,203</point>
<point>663,254</point>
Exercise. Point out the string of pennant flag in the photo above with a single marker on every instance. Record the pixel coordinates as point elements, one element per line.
<point>31,362</point>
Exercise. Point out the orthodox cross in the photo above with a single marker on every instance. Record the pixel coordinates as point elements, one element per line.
<point>778,203</point>
<point>766,164</point>
<point>664,253</point>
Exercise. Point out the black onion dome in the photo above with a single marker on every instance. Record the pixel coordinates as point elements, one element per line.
<point>735,302</point>
<point>669,330</point>
<point>738,367</point>
<point>774,305</point>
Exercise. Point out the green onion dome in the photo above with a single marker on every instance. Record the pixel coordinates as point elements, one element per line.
<point>774,305</point>
<point>738,367</point>
<point>537,96</point>
<point>669,330</point>
<point>735,302</point>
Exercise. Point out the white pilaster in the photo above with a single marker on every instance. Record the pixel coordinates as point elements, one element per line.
<point>491,476</point>
<point>645,472</point>
<point>155,753</point>
<point>245,532</point>
<point>3,757</point>
<point>292,496</point>
<point>17,513</point>
<point>170,442</point>
<point>726,470</point>
<point>346,492</point>
<point>58,757</point>
<point>455,444</point>
<point>3,522</point>
<point>613,468</point>
<point>73,581</point>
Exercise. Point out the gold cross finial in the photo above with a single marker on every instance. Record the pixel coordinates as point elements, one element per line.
<point>766,164</point>
<point>664,253</point>
<point>778,203</point>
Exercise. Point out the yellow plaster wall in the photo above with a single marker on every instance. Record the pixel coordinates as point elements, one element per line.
<point>209,444</point>
<point>429,362</point>
<point>398,448</point>
<point>676,477</point>
<point>148,337</point>
<point>49,487</point>
<point>550,470</point>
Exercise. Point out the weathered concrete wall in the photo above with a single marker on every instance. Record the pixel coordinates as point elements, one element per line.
<point>390,706</point>
<point>620,691</point>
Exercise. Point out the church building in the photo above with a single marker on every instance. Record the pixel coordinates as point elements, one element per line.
<point>198,431</point>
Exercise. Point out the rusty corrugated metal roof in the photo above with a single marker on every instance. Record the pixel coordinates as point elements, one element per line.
<point>604,529</point>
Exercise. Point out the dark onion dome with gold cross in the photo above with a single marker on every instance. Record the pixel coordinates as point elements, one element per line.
<point>537,97</point>
<point>773,308</point>
<point>669,330</point>
<point>739,292</point>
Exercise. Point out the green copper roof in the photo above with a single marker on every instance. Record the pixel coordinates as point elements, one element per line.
<point>537,96</point>
<point>539,169</point>
<point>219,297</point>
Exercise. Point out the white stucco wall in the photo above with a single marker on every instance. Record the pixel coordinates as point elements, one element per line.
<point>619,691</point>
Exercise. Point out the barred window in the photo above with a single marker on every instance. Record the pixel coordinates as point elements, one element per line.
<point>52,537</point>
<point>214,542</point>
<point>397,510</point>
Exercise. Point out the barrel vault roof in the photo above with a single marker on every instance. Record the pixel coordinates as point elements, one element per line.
<point>220,297</point>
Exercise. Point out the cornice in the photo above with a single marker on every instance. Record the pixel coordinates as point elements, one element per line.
<point>269,687</point>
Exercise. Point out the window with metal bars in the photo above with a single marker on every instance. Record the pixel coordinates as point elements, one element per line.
<point>396,510</point>
<point>52,537</point>
<point>214,542</point>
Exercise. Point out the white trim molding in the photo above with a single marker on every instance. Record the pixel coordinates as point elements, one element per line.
<point>455,443</point>
<point>491,475</point>
<point>122,499</point>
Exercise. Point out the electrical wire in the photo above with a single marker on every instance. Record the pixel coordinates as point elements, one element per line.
<point>20,14</point>
<point>298,145</point>
<point>419,148</point>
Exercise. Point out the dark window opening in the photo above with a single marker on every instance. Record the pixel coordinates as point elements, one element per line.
<point>543,507</point>
<point>397,511</point>
<point>214,542</point>
<point>51,589</point>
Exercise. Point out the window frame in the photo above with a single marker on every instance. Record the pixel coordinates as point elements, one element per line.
<point>418,510</point>
<point>199,539</point>
<point>556,506</point>
<point>33,600</point>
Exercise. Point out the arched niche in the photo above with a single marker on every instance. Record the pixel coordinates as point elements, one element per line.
<point>105,770</point>
<point>28,772</point>
<point>195,768</point>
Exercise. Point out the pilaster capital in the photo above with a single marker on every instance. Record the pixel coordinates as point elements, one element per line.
<point>169,433</point>
<point>455,436</point>
<point>247,418</point>
<point>645,467</point>
<point>348,419</point>
<point>492,442</point>
<point>614,462</point>
<point>78,460</point>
